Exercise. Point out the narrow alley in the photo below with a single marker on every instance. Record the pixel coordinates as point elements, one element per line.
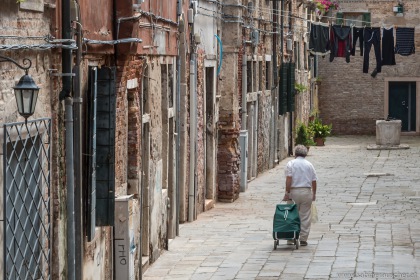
<point>367,200</point>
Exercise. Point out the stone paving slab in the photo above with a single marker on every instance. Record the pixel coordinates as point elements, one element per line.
<point>369,212</point>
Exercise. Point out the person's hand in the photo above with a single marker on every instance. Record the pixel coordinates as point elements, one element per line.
<point>286,197</point>
<point>313,197</point>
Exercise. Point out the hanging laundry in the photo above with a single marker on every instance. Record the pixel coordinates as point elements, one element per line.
<point>357,35</point>
<point>341,42</point>
<point>388,54</point>
<point>372,36</point>
<point>405,41</point>
<point>319,39</point>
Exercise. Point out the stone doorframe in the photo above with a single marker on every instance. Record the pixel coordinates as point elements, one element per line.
<point>386,99</point>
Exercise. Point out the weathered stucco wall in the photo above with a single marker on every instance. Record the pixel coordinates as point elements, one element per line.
<point>200,154</point>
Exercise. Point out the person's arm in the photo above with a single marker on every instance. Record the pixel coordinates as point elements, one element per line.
<point>288,186</point>
<point>313,190</point>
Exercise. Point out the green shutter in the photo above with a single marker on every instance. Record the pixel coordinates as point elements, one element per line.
<point>291,88</point>
<point>283,88</point>
<point>366,19</point>
<point>105,146</point>
<point>91,140</point>
<point>340,18</point>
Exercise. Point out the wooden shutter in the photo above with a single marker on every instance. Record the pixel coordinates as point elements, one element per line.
<point>91,139</point>
<point>283,88</point>
<point>105,146</point>
<point>291,88</point>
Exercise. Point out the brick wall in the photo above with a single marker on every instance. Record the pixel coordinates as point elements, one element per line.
<point>228,153</point>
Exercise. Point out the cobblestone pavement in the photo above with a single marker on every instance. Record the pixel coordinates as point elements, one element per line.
<point>369,223</point>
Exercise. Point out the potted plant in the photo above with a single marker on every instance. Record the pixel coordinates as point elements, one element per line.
<point>320,131</point>
<point>313,115</point>
<point>304,136</point>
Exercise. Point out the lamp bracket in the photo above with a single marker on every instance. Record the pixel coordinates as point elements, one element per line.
<point>26,61</point>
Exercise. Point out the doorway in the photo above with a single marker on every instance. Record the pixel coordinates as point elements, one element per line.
<point>210,135</point>
<point>402,104</point>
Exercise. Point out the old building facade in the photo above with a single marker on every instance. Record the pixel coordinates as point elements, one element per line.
<point>352,100</point>
<point>149,113</point>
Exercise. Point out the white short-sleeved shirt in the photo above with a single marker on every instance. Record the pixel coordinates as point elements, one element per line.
<point>302,172</point>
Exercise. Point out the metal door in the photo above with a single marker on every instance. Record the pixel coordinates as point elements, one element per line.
<point>402,104</point>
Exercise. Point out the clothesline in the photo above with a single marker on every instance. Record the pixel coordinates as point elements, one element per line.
<point>352,25</point>
<point>340,41</point>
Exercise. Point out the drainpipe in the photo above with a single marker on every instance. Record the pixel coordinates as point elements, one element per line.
<point>274,89</point>
<point>282,35</point>
<point>65,94</point>
<point>183,151</point>
<point>243,134</point>
<point>193,127</point>
<point>178,112</point>
<point>78,100</point>
<point>142,193</point>
<point>290,113</point>
<point>281,30</point>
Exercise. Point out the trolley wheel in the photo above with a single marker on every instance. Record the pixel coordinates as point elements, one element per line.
<point>297,243</point>
<point>275,244</point>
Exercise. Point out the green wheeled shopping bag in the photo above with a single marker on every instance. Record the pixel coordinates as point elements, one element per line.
<point>286,223</point>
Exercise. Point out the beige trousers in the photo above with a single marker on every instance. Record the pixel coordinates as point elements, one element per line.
<point>303,199</point>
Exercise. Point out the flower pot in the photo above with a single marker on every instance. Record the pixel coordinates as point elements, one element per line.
<point>319,141</point>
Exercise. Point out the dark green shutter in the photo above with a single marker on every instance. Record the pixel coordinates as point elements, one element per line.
<point>291,88</point>
<point>366,19</point>
<point>283,88</point>
<point>340,18</point>
<point>105,147</point>
<point>91,138</point>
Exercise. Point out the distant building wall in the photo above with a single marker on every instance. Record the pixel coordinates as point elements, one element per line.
<point>352,100</point>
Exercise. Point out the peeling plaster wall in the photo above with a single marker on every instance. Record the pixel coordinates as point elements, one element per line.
<point>98,256</point>
<point>200,154</point>
<point>158,195</point>
<point>265,119</point>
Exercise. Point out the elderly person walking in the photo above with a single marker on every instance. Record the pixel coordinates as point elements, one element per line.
<point>301,187</point>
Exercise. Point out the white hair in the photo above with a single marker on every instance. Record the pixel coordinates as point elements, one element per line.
<point>301,151</point>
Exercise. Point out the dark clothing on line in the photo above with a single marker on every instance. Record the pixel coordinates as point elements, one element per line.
<point>357,34</point>
<point>340,40</point>
<point>405,41</point>
<point>388,54</point>
<point>372,36</point>
<point>319,39</point>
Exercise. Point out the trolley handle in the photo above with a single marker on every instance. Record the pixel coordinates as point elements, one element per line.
<point>286,201</point>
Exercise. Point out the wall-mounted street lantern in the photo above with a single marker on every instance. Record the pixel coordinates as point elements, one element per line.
<point>26,91</point>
